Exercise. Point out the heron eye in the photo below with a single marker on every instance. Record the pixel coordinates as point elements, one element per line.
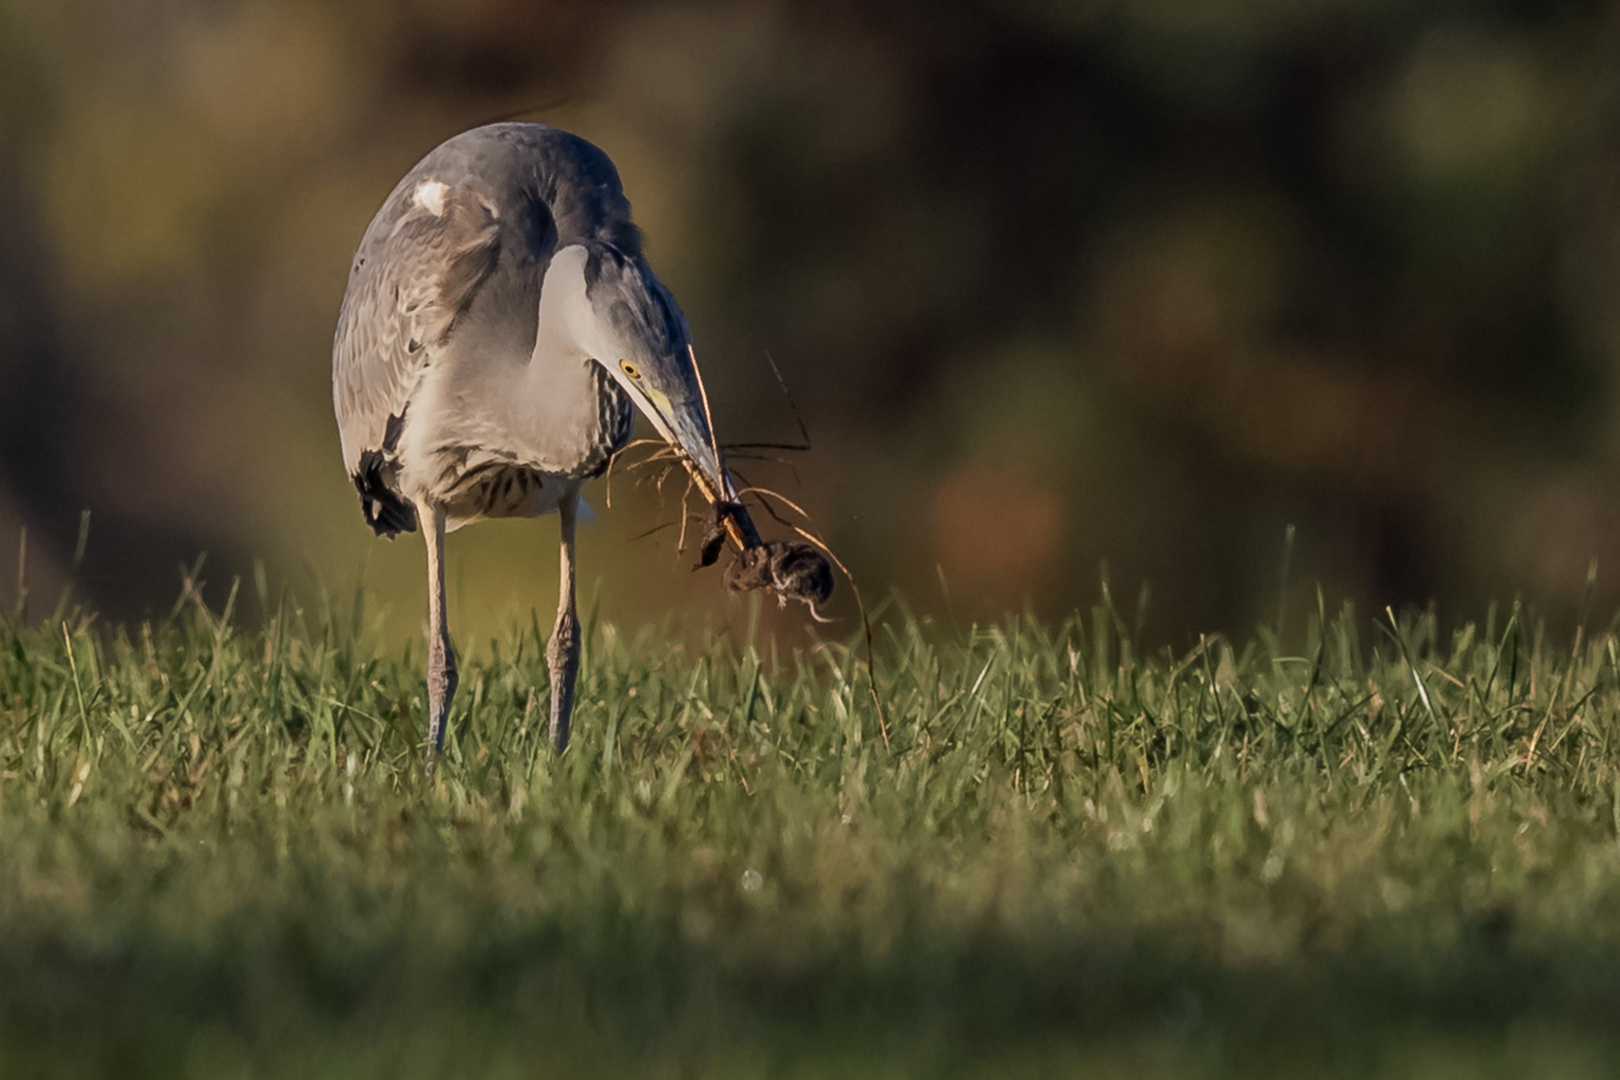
<point>629,369</point>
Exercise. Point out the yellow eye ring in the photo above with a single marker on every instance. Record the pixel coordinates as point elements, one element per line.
<point>629,369</point>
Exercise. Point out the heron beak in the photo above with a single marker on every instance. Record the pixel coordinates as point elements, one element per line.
<point>686,428</point>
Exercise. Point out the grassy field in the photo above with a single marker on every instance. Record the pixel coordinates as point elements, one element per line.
<point>1391,850</point>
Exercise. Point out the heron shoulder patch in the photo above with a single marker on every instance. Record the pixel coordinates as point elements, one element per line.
<point>429,195</point>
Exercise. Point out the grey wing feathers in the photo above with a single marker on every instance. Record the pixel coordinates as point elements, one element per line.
<point>414,274</point>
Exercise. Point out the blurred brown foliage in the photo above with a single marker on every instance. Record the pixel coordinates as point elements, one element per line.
<point>1052,284</point>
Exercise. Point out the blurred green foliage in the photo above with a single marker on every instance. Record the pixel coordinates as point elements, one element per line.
<point>1052,283</point>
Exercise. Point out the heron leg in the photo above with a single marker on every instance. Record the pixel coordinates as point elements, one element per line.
<point>441,658</point>
<point>562,654</point>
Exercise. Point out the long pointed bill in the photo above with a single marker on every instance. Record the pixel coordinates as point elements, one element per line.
<point>685,427</point>
<point>690,429</point>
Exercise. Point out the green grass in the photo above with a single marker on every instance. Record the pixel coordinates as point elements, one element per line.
<point>1392,852</point>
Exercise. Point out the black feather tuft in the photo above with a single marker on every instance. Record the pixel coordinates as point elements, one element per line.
<point>392,430</point>
<point>386,513</point>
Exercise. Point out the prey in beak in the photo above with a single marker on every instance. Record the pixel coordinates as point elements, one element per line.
<point>635,320</point>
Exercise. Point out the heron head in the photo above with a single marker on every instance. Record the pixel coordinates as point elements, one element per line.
<point>626,320</point>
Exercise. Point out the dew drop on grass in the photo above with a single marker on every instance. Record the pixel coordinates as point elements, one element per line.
<point>751,881</point>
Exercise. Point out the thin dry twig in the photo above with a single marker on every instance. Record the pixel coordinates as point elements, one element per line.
<point>680,545</point>
<point>779,497</point>
<point>731,517</point>
<point>866,629</point>
<point>866,623</point>
<point>708,418</point>
<point>804,432</point>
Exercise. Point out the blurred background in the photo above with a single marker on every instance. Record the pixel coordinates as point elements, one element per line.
<point>1053,284</point>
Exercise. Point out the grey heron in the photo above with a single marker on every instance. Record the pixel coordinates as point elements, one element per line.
<point>499,326</point>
